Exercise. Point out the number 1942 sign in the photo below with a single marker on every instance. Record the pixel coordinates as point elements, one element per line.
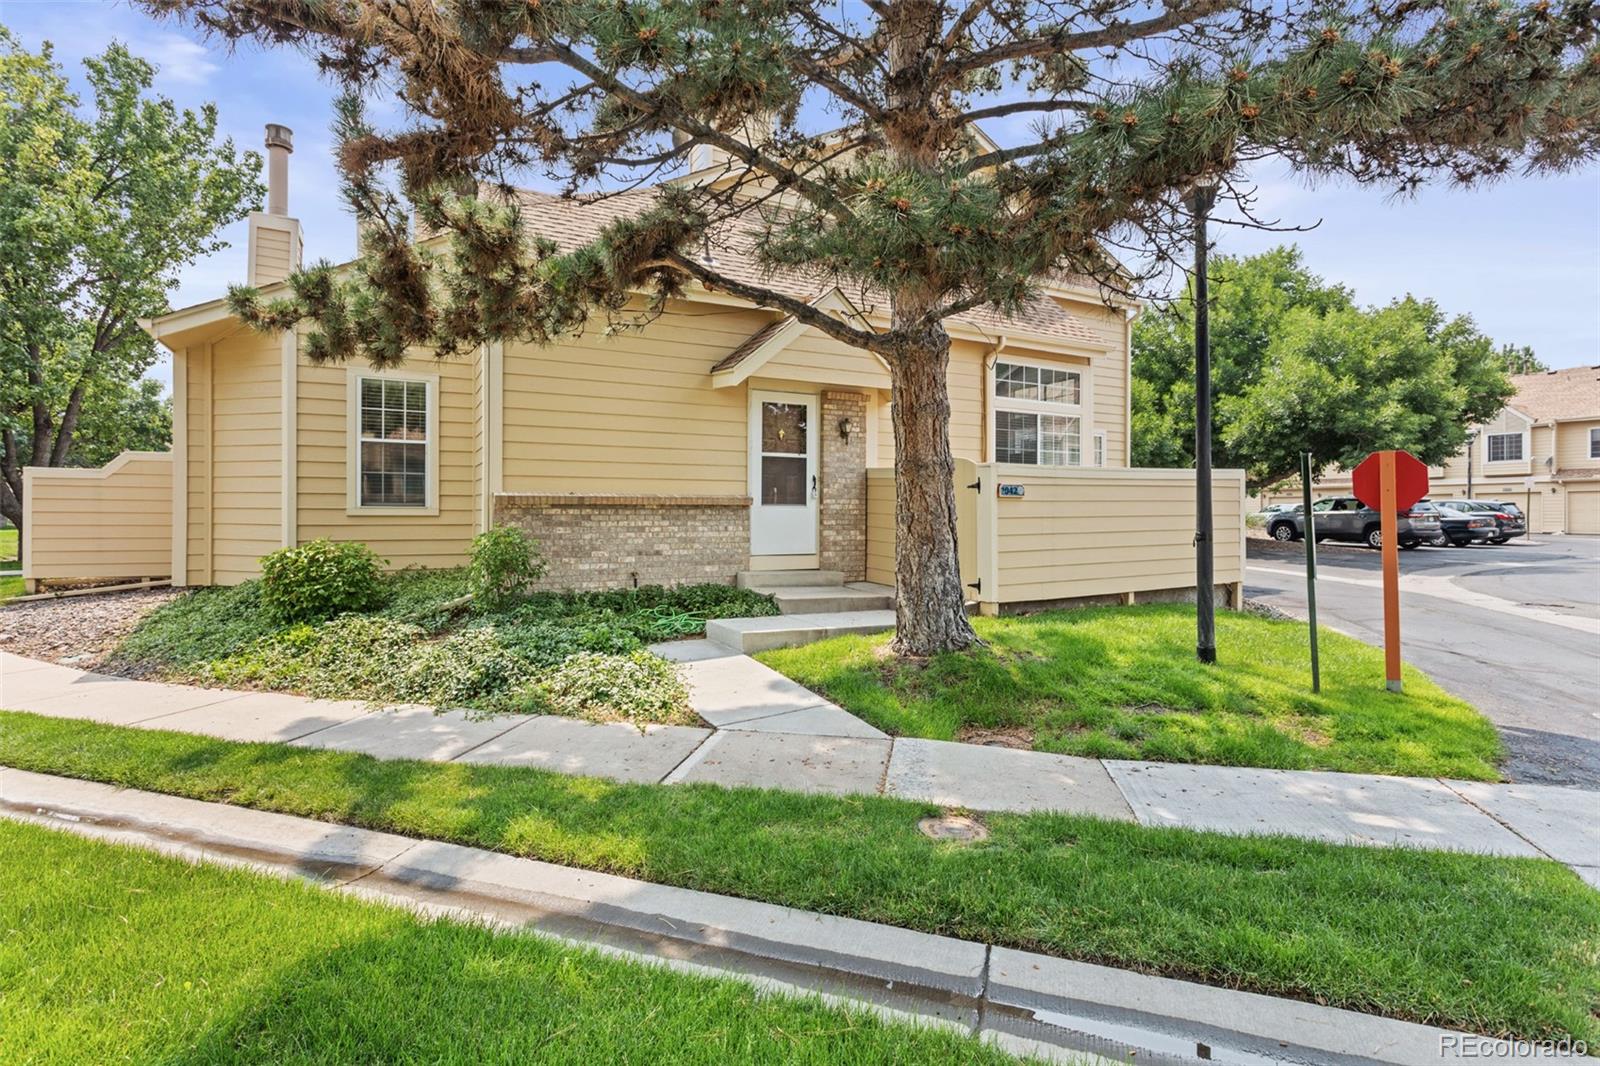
<point>1390,482</point>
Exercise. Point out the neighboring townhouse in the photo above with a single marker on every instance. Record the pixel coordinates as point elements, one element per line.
<point>1542,452</point>
<point>719,439</point>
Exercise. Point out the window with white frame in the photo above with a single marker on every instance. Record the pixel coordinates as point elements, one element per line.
<point>1099,447</point>
<point>1504,447</point>
<point>392,442</point>
<point>1594,444</point>
<point>1037,415</point>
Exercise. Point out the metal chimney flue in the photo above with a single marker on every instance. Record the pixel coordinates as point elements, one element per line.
<point>280,142</point>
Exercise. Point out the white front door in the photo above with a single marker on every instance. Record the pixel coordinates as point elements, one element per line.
<point>783,473</point>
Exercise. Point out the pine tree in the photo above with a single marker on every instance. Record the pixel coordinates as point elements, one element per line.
<point>1132,105</point>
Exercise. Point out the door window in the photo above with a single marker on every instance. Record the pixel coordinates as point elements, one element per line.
<point>783,453</point>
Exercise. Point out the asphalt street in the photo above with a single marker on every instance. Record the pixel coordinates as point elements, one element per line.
<point>1514,629</point>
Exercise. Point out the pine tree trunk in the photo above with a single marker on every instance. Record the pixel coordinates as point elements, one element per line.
<point>930,615</point>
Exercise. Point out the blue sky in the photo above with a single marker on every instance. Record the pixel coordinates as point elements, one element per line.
<point>1521,257</point>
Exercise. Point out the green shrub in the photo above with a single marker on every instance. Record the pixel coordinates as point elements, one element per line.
<point>543,644</point>
<point>420,596</point>
<point>379,659</point>
<point>505,561</point>
<point>320,579</point>
<point>650,613</point>
<point>638,687</point>
<point>197,627</point>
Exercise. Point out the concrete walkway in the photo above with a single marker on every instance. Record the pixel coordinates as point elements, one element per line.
<point>1024,1002</point>
<point>770,732</point>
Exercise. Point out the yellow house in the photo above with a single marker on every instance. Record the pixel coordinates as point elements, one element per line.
<point>1542,452</point>
<point>719,439</point>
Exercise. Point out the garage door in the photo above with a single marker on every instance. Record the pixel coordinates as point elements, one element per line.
<point>1583,509</point>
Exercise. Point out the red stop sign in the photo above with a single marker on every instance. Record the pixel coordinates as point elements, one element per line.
<point>1410,481</point>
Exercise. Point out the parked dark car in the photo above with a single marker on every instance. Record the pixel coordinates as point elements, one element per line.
<point>1509,519</point>
<point>1347,518</point>
<point>1458,525</point>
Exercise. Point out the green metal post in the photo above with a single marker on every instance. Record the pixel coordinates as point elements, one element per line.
<point>1310,523</point>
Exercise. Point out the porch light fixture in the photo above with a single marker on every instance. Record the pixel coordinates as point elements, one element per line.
<point>844,429</point>
<point>1201,197</point>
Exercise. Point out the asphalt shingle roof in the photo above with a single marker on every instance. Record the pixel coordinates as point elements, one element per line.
<point>574,223</point>
<point>1558,394</point>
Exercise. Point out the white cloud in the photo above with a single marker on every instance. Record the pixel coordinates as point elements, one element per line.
<point>179,59</point>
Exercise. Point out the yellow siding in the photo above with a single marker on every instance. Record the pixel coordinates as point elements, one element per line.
<point>634,412</point>
<point>816,357</point>
<point>322,467</point>
<point>1110,373</point>
<point>480,440</point>
<point>273,260</point>
<point>966,382</point>
<point>246,430</point>
<point>1080,533</point>
<point>197,366</point>
<point>880,526</point>
<point>1572,446</point>
<point>112,522</point>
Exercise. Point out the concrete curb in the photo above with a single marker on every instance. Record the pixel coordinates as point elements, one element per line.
<point>1019,999</point>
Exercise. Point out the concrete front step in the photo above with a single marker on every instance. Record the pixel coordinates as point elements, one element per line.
<point>832,599</point>
<point>747,635</point>
<point>767,580</point>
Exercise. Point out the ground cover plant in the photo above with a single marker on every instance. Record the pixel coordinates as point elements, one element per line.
<point>1123,682</point>
<point>1492,945</point>
<point>324,623</point>
<point>118,954</point>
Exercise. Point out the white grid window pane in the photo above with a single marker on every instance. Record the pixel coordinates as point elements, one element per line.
<point>1016,437</point>
<point>1058,386</point>
<point>1058,441</point>
<point>393,441</point>
<point>1505,447</point>
<point>1594,444</point>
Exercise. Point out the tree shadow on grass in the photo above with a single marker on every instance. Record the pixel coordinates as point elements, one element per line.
<point>441,992</point>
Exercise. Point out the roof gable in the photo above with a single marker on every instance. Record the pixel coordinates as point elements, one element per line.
<point>791,349</point>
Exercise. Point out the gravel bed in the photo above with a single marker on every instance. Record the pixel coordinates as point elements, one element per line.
<point>77,631</point>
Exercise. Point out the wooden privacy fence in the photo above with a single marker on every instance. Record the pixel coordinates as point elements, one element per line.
<point>97,524</point>
<point>1032,536</point>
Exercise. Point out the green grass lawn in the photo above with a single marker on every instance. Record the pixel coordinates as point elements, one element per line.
<point>9,587</point>
<point>114,954</point>
<point>8,548</point>
<point>1501,946</point>
<point>1123,682</point>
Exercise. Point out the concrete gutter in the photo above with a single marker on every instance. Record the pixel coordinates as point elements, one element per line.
<point>1027,1003</point>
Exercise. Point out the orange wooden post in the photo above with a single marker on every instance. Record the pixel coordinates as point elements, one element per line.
<point>1389,524</point>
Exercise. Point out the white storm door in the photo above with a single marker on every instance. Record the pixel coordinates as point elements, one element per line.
<point>783,473</point>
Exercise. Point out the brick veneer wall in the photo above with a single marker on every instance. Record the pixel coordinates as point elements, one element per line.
<point>606,541</point>
<point>843,537</point>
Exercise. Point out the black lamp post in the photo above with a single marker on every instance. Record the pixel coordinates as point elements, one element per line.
<point>1201,198</point>
<point>1472,446</point>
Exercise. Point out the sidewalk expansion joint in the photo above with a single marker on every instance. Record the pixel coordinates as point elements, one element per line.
<point>515,721</point>
<point>691,760</point>
<point>1513,830</point>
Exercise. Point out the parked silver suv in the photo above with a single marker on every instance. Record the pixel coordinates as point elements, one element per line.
<point>1347,518</point>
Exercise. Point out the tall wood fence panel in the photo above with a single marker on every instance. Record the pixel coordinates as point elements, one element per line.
<point>95,524</point>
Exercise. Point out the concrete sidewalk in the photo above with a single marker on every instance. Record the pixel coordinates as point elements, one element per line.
<point>773,733</point>
<point>1024,1002</point>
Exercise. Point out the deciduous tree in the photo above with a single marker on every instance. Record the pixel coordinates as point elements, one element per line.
<point>1131,104</point>
<point>98,212</point>
<point>1298,366</point>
